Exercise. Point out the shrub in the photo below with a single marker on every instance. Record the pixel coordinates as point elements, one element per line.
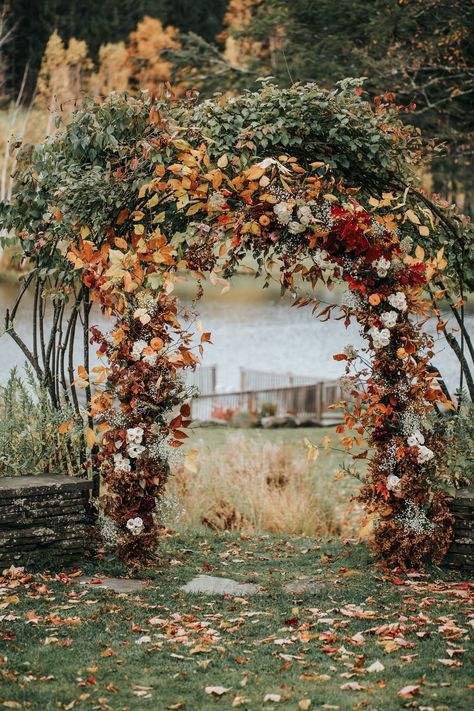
<point>30,440</point>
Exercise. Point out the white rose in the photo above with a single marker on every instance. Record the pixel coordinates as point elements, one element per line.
<point>398,301</point>
<point>138,348</point>
<point>424,455</point>
<point>135,450</point>
<point>150,359</point>
<point>121,463</point>
<point>382,266</point>
<point>304,214</point>
<point>295,228</point>
<point>135,525</point>
<point>415,439</point>
<point>380,338</point>
<point>134,435</point>
<point>392,482</point>
<point>389,319</point>
<point>283,212</point>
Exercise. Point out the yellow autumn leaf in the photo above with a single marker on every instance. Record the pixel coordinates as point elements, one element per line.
<point>90,437</point>
<point>223,161</point>
<point>313,450</point>
<point>120,243</point>
<point>255,172</point>
<point>326,443</point>
<point>420,253</point>
<point>152,201</point>
<point>413,217</point>
<point>194,208</point>
<point>424,230</point>
<point>85,231</point>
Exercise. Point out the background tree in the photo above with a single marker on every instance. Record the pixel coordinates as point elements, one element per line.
<point>147,43</point>
<point>97,23</point>
<point>113,73</point>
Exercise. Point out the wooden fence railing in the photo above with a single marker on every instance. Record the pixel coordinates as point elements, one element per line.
<point>313,399</point>
<point>259,379</point>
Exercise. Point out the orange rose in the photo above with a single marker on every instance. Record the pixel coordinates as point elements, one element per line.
<point>156,343</point>
<point>374,299</point>
<point>264,220</point>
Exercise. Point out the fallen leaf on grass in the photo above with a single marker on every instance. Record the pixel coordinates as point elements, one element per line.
<point>275,698</point>
<point>304,704</point>
<point>376,667</point>
<point>352,686</point>
<point>408,692</point>
<point>216,690</point>
<point>314,677</point>
<point>450,662</point>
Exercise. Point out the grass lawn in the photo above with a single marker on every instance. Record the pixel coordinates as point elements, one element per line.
<point>66,647</point>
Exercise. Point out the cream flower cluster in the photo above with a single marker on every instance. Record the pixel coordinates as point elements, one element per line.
<point>380,337</point>
<point>137,353</point>
<point>415,439</point>
<point>135,525</point>
<point>350,352</point>
<point>393,482</point>
<point>138,348</point>
<point>381,266</point>
<point>389,318</point>
<point>283,211</point>
<point>217,200</point>
<point>398,301</point>
<point>425,454</point>
<point>134,439</point>
<point>121,463</point>
<point>321,257</point>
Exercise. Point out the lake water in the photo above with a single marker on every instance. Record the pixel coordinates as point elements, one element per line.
<point>251,328</point>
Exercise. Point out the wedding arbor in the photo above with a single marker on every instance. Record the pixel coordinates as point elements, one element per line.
<point>315,186</point>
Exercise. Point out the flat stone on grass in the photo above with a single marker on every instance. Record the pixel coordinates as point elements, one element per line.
<point>211,585</point>
<point>307,584</point>
<point>117,585</point>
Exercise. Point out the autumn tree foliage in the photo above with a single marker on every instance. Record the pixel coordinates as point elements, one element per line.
<point>113,72</point>
<point>63,78</point>
<point>145,50</point>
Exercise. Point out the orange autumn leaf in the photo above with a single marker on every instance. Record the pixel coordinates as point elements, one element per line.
<point>65,427</point>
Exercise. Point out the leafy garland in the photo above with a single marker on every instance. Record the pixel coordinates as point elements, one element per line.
<point>309,228</point>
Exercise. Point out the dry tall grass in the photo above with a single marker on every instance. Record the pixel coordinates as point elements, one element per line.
<point>254,485</point>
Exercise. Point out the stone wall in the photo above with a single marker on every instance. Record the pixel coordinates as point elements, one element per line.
<point>43,520</point>
<point>461,552</point>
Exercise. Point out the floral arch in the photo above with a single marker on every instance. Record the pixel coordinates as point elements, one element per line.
<point>197,209</point>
